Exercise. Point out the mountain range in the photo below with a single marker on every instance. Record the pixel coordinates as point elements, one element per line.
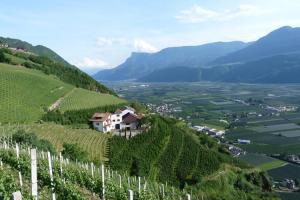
<point>273,58</point>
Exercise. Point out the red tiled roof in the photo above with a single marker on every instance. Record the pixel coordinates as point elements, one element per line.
<point>100,117</point>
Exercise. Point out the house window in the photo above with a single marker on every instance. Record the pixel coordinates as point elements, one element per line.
<point>118,115</point>
<point>118,120</point>
<point>114,120</point>
<point>97,124</point>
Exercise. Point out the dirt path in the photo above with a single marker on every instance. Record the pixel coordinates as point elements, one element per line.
<point>58,101</point>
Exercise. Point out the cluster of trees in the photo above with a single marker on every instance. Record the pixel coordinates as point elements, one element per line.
<point>82,116</point>
<point>65,73</point>
<point>77,116</point>
<point>32,140</point>
<point>74,152</point>
<point>3,58</point>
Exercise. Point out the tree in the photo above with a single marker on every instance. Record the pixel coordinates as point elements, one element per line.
<point>3,58</point>
<point>74,152</point>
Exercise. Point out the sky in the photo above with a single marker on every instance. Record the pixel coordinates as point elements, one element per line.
<point>101,34</point>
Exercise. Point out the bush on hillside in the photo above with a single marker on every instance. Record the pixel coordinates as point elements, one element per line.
<point>31,139</point>
<point>74,152</point>
<point>3,58</point>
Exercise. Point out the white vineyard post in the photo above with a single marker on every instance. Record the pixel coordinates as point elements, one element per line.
<point>145,186</point>
<point>128,182</point>
<point>60,164</point>
<point>139,185</point>
<point>103,179</point>
<point>130,195</point>
<point>34,186</point>
<point>188,197</point>
<point>51,175</point>
<point>18,156</point>
<point>92,167</point>
<point>120,180</point>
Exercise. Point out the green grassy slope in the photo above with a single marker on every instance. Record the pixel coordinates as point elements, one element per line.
<point>61,70</point>
<point>26,94</point>
<point>84,99</point>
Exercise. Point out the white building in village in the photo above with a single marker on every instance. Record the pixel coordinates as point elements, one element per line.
<point>123,118</point>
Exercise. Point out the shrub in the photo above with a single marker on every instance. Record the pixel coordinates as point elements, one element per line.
<point>74,152</point>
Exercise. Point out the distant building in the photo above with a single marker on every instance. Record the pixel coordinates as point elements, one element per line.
<point>288,183</point>
<point>240,141</point>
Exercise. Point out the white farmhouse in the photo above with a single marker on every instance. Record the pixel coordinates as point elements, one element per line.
<point>101,122</point>
<point>123,119</point>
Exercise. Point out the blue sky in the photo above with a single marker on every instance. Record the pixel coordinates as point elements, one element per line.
<point>98,34</point>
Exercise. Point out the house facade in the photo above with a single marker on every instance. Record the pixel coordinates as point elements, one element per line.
<point>122,119</point>
<point>101,122</point>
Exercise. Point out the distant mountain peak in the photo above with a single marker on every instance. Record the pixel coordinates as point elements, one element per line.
<point>141,64</point>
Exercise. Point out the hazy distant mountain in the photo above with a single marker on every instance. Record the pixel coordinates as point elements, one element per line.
<point>174,74</point>
<point>281,41</point>
<point>141,64</point>
<point>274,69</point>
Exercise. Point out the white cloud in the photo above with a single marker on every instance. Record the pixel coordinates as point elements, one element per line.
<point>109,41</point>
<point>197,14</point>
<point>143,46</point>
<point>137,44</point>
<point>91,63</point>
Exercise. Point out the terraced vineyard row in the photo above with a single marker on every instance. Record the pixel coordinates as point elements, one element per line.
<point>75,180</point>
<point>26,94</point>
<point>84,99</point>
<point>94,143</point>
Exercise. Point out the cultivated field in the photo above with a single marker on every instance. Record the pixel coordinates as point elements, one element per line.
<point>83,99</point>
<point>288,171</point>
<point>26,94</point>
<point>262,161</point>
<point>93,142</point>
<point>275,128</point>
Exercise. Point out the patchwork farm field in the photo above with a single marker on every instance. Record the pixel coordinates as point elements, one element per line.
<point>26,94</point>
<point>262,161</point>
<point>93,142</point>
<point>275,128</point>
<point>288,171</point>
<point>84,99</point>
<point>290,196</point>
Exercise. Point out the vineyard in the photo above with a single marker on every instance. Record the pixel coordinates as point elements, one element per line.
<point>71,181</point>
<point>26,94</point>
<point>92,142</point>
<point>168,152</point>
<point>84,99</point>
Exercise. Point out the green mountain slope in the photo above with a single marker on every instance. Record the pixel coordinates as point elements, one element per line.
<point>38,50</point>
<point>26,94</point>
<point>30,84</point>
<point>69,75</point>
